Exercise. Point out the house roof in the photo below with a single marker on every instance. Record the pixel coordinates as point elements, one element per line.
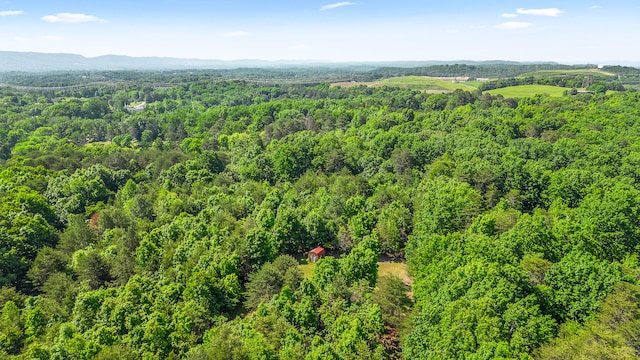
<point>318,251</point>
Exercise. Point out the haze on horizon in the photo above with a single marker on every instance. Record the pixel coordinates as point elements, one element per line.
<point>359,30</point>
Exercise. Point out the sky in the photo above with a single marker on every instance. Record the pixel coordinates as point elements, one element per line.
<point>572,31</point>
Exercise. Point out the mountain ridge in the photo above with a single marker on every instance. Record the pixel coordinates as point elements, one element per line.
<point>44,62</point>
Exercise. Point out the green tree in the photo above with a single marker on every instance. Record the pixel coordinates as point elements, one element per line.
<point>11,335</point>
<point>445,205</point>
<point>391,295</point>
<point>362,262</point>
<point>270,280</point>
<point>609,334</point>
<point>26,225</point>
<point>578,283</point>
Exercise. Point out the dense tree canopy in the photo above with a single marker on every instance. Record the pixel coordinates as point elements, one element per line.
<point>177,231</point>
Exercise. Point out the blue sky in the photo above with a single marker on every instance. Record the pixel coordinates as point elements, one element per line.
<point>357,30</point>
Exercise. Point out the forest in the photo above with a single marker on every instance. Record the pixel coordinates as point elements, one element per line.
<point>176,232</point>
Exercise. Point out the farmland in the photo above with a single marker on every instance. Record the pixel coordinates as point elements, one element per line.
<point>427,83</point>
<point>422,83</point>
<point>435,85</point>
<point>528,90</point>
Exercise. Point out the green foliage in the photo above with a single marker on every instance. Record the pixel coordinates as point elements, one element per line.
<point>391,295</point>
<point>611,334</point>
<point>47,262</point>
<point>446,205</point>
<point>270,279</point>
<point>73,194</point>
<point>232,341</point>
<point>394,225</point>
<point>27,223</point>
<point>607,220</point>
<point>11,334</point>
<point>578,282</point>
<point>173,232</point>
<point>362,262</point>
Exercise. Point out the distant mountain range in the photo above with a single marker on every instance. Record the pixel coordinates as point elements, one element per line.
<point>37,62</point>
<point>42,62</point>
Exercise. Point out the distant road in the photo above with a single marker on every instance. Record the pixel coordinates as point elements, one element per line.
<point>80,86</point>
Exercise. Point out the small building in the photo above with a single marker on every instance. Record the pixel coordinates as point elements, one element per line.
<point>136,108</point>
<point>316,254</point>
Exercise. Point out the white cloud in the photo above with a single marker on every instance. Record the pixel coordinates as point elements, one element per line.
<point>51,38</point>
<point>595,7</point>
<point>512,25</point>
<point>21,39</point>
<point>507,15</point>
<point>236,34</point>
<point>540,12</point>
<point>11,12</point>
<point>69,18</point>
<point>301,47</point>
<point>336,5</point>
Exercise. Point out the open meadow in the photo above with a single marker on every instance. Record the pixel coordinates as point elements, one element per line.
<point>394,268</point>
<point>528,90</point>
<point>422,83</point>
<point>434,85</point>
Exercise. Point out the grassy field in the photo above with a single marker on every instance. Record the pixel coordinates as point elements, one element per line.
<point>384,268</point>
<point>528,90</point>
<point>434,85</point>
<point>398,269</point>
<point>307,269</point>
<point>424,83</point>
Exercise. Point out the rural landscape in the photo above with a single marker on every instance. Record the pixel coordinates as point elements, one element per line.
<point>297,180</point>
<point>171,214</point>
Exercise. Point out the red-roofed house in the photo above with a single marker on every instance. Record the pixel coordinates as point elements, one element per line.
<point>316,254</point>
